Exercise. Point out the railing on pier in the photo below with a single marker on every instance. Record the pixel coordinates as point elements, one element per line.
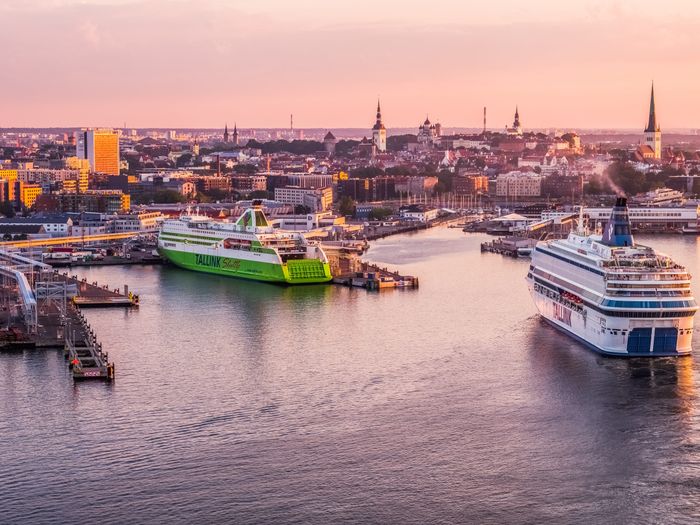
<point>85,356</point>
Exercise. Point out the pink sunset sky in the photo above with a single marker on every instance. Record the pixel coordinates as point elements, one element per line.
<point>200,63</point>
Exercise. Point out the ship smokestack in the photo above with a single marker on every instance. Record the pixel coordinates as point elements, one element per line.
<point>618,230</point>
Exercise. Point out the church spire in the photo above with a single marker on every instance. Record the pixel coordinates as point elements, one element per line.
<point>652,125</point>
<point>378,124</point>
<point>226,132</point>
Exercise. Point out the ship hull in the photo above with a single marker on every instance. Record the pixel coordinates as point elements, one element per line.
<point>611,336</point>
<point>306,271</point>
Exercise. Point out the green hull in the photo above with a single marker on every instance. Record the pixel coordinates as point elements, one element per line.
<point>303,271</point>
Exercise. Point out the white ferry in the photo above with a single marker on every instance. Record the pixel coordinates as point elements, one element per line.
<point>615,296</point>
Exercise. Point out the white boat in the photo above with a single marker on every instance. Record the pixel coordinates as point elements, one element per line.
<point>615,296</point>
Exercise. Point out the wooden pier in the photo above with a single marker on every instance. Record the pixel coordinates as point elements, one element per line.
<point>84,353</point>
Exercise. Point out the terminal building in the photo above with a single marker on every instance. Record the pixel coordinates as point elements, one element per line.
<point>656,219</point>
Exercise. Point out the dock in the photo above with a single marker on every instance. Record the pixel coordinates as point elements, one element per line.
<point>510,246</point>
<point>95,295</point>
<point>40,309</point>
<point>84,353</point>
<point>372,277</point>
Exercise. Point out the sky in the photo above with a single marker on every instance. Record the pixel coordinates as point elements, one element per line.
<point>203,63</point>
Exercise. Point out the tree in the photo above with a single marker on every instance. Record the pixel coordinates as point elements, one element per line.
<point>161,197</point>
<point>398,142</point>
<point>346,206</point>
<point>343,147</point>
<point>444,181</point>
<point>245,169</point>
<point>212,195</point>
<point>184,160</point>
<point>379,214</point>
<point>300,209</point>
<point>399,170</point>
<point>366,172</point>
<point>7,209</point>
<point>259,194</point>
<point>624,178</point>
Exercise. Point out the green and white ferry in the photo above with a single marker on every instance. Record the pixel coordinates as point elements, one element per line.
<point>248,248</point>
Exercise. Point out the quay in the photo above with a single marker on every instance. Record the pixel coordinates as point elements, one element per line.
<point>510,246</point>
<point>40,309</point>
<point>372,277</point>
<point>92,294</point>
<point>380,232</point>
<point>85,356</point>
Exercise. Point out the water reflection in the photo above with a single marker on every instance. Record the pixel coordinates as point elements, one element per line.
<point>628,381</point>
<point>454,403</point>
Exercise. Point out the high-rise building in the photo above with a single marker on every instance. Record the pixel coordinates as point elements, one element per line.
<point>379,132</point>
<point>101,148</point>
<point>27,194</point>
<point>652,133</point>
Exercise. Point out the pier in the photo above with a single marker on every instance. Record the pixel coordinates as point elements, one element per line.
<point>40,309</point>
<point>372,277</point>
<point>85,356</point>
<point>92,294</point>
<point>510,246</point>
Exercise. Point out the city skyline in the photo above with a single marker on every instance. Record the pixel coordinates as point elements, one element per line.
<point>152,63</point>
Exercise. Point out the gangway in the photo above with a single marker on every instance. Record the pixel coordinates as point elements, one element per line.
<point>24,271</point>
<point>26,295</point>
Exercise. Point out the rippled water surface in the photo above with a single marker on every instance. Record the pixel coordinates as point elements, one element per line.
<point>250,403</point>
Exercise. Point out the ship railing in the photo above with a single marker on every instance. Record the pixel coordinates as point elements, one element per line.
<point>647,277</point>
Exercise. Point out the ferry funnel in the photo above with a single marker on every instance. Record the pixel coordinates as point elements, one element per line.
<point>618,231</point>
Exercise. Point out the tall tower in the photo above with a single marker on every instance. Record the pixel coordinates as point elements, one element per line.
<point>516,119</point>
<point>101,148</point>
<point>379,131</point>
<point>226,133</point>
<point>235,134</point>
<point>652,133</point>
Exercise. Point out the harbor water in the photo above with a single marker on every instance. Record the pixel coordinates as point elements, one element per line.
<point>238,402</point>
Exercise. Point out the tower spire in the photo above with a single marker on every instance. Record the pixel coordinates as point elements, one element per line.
<point>652,125</point>
<point>379,131</point>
